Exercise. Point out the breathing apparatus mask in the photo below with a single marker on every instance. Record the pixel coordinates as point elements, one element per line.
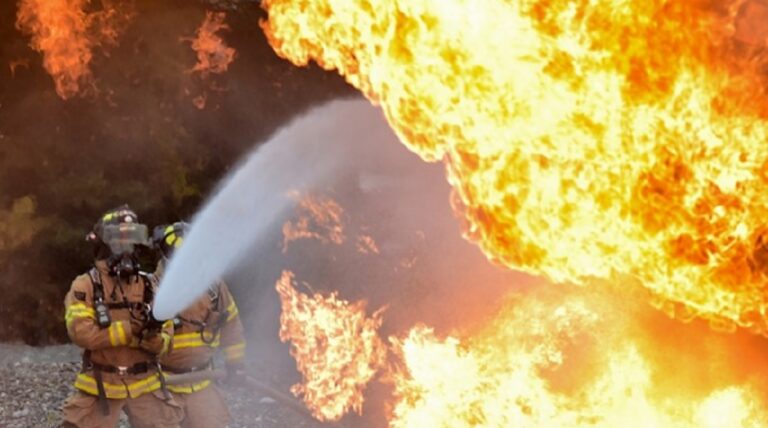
<point>122,240</point>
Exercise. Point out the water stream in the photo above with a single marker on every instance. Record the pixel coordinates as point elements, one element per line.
<point>301,155</point>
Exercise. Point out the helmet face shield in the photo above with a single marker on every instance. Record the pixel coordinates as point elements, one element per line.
<point>123,238</point>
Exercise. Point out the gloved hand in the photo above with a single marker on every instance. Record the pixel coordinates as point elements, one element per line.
<point>154,341</point>
<point>155,337</point>
<point>136,329</point>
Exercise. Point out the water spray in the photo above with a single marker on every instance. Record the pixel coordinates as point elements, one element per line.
<point>251,200</point>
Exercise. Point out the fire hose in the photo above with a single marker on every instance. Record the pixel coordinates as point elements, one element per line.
<point>250,382</point>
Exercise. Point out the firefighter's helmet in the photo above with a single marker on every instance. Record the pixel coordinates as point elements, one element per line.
<point>168,237</point>
<point>120,230</point>
<point>116,236</point>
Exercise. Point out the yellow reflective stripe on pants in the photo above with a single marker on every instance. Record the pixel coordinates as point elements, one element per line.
<point>235,352</point>
<point>87,384</point>
<point>188,389</point>
<point>149,384</point>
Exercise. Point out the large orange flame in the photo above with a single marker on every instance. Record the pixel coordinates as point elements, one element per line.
<point>335,345</point>
<point>583,138</point>
<point>66,36</point>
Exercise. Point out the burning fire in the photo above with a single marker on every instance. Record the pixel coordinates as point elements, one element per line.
<point>585,359</point>
<point>319,217</point>
<point>335,345</point>
<point>66,36</point>
<point>213,54</point>
<point>542,362</point>
<point>583,138</point>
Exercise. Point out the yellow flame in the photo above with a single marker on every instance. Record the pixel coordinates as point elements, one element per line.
<point>555,363</point>
<point>335,345</point>
<point>584,138</point>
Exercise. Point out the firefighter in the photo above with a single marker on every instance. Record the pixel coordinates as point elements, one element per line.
<point>108,315</point>
<point>209,323</point>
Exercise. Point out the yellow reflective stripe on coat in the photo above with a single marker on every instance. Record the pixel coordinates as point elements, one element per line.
<point>188,389</point>
<point>78,310</point>
<point>71,316</point>
<point>87,384</point>
<point>117,335</point>
<point>235,352</point>
<point>192,340</point>
<point>232,310</point>
<point>166,343</point>
<point>114,337</point>
<point>121,333</point>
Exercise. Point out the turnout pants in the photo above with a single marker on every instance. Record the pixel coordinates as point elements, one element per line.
<point>149,410</point>
<point>204,409</point>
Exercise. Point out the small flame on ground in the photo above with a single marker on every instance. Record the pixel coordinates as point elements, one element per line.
<point>335,345</point>
<point>66,36</point>
<point>319,217</point>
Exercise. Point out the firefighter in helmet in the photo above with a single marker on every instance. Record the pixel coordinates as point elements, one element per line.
<point>108,314</point>
<point>209,323</point>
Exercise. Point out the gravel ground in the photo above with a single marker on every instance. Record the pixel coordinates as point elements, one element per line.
<point>34,382</point>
